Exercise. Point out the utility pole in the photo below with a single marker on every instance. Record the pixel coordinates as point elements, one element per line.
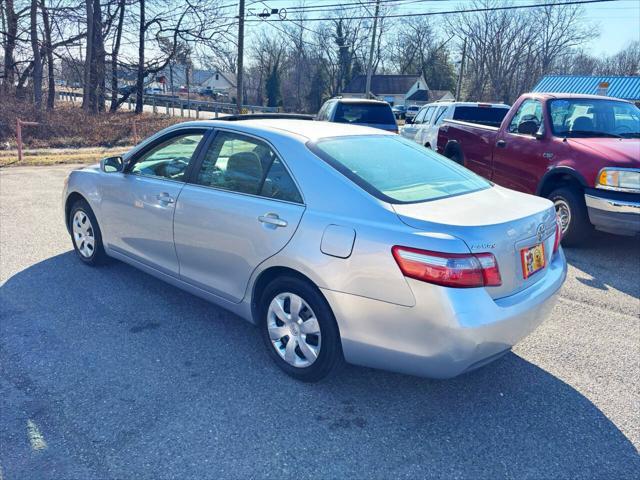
<point>373,44</point>
<point>461,73</point>
<point>239,99</point>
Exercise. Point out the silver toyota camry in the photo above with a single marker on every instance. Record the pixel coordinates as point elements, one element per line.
<point>341,243</point>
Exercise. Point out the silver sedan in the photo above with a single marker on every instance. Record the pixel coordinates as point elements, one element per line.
<point>340,242</point>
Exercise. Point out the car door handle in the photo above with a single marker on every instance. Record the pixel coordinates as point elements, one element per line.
<point>165,198</point>
<point>272,219</point>
<point>501,143</point>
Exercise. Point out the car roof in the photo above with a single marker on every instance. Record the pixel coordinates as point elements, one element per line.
<point>466,104</point>
<point>360,100</point>
<point>568,96</point>
<point>300,129</point>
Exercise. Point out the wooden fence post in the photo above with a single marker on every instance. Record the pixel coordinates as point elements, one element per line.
<point>19,139</point>
<point>19,124</point>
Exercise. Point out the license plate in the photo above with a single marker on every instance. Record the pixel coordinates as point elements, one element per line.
<point>532,260</point>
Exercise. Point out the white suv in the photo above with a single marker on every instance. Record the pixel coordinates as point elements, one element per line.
<point>425,126</point>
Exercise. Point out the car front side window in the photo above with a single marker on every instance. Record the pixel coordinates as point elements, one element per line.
<point>169,159</point>
<point>246,165</point>
<point>529,112</point>
<point>420,116</point>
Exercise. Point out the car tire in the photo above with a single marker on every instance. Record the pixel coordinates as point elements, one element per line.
<point>325,345</point>
<point>86,235</point>
<point>569,202</point>
<point>454,153</point>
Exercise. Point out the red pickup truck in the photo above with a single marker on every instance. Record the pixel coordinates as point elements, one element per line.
<point>580,151</point>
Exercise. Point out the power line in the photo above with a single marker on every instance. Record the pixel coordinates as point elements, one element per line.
<point>449,12</point>
<point>348,5</point>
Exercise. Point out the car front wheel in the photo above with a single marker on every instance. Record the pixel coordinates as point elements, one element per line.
<point>299,329</point>
<point>85,234</point>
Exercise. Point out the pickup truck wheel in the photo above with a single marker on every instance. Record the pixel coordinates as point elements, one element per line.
<point>454,153</point>
<point>572,212</point>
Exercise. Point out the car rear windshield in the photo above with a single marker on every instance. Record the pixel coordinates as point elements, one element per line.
<point>491,116</point>
<point>370,113</point>
<point>396,170</point>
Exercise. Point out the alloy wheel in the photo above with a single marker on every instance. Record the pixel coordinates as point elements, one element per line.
<point>563,211</point>
<point>293,329</point>
<point>83,234</point>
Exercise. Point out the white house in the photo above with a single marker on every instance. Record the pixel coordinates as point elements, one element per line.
<point>221,82</point>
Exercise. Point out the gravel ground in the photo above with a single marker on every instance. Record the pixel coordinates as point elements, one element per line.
<point>110,373</point>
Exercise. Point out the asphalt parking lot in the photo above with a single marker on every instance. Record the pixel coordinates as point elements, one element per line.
<point>110,373</point>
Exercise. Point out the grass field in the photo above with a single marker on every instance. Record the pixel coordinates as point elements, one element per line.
<point>54,156</point>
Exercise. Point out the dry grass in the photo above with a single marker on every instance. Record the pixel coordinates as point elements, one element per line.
<point>58,156</point>
<point>68,126</point>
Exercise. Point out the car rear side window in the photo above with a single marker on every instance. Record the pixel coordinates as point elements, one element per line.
<point>246,165</point>
<point>370,113</point>
<point>396,170</point>
<point>491,116</point>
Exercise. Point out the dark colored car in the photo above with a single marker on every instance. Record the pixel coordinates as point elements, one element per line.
<point>355,111</point>
<point>399,111</point>
<point>580,151</point>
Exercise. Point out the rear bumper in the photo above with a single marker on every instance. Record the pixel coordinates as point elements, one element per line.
<point>450,331</point>
<point>614,212</point>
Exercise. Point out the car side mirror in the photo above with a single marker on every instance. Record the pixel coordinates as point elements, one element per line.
<point>112,164</point>
<point>408,121</point>
<point>528,127</point>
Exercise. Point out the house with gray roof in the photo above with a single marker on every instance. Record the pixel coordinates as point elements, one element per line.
<point>396,89</point>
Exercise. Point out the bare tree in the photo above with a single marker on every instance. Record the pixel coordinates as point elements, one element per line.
<point>115,52</point>
<point>508,50</point>
<point>10,35</point>
<point>37,60</point>
<point>48,49</point>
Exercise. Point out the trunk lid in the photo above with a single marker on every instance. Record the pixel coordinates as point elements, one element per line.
<point>495,220</point>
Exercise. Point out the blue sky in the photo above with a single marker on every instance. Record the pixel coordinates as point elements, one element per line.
<point>618,22</point>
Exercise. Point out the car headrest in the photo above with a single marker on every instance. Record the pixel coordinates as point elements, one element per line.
<point>245,164</point>
<point>582,124</point>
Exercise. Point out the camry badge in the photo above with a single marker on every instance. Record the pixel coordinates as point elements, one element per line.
<point>540,232</point>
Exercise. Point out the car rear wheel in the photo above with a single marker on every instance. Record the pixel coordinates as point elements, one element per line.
<point>299,329</point>
<point>85,234</point>
<point>572,213</point>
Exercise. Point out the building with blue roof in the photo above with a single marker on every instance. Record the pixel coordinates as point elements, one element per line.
<point>626,88</point>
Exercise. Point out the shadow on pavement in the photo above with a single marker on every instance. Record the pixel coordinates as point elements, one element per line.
<point>602,251</point>
<point>126,375</point>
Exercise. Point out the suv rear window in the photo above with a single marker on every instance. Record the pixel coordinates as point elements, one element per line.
<point>491,116</point>
<point>364,113</point>
<point>396,170</point>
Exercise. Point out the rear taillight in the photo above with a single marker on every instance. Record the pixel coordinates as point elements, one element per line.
<point>558,238</point>
<point>462,270</point>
